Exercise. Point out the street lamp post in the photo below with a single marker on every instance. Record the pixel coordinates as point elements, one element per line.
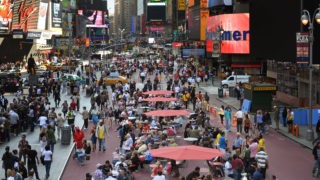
<point>121,31</point>
<point>307,19</point>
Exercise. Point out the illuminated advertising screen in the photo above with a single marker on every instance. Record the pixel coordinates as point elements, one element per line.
<point>25,14</point>
<point>92,4</point>
<point>68,5</point>
<point>56,15</point>
<point>235,38</point>
<point>95,18</point>
<point>193,52</point>
<point>213,3</point>
<point>6,9</point>
<point>156,13</point>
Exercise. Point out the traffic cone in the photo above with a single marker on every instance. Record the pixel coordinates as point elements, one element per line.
<point>234,120</point>
<point>225,94</point>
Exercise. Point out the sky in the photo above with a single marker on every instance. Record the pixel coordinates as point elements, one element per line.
<point>111,6</point>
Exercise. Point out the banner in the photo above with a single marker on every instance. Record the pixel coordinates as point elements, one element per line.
<point>181,5</point>
<point>302,48</point>
<point>235,37</point>
<point>56,15</point>
<point>25,14</point>
<point>33,35</point>
<point>42,16</point>
<point>6,9</point>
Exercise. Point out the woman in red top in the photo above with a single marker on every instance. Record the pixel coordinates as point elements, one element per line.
<point>78,137</point>
<point>73,105</point>
<point>156,169</point>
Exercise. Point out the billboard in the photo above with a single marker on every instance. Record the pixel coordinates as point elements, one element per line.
<point>235,38</point>
<point>95,18</point>
<point>6,9</point>
<point>156,13</point>
<point>213,3</point>
<point>25,14</point>
<point>193,52</point>
<point>92,4</point>
<point>42,16</point>
<point>194,23</point>
<point>140,7</point>
<point>181,5</point>
<point>56,15</point>
<point>68,5</point>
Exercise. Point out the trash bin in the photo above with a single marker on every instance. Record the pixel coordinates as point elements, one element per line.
<point>88,92</point>
<point>65,135</point>
<point>220,92</point>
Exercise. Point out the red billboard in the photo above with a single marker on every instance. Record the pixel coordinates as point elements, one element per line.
<point>25,14</point>
<point>5,15</point>
<point>234,31</point>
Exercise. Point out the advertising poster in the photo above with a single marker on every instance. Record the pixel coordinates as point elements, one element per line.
<point>25,14</point>
<point>181,5</point>
<point>56,15</point>
<point>68,5</point>
<point>42,16</point>
<point>6,9</point>
<point>302,49</point>
<point>235,38</point>
<point>95,18</point>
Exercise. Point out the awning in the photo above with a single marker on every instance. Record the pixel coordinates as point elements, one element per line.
<point>245,66</point>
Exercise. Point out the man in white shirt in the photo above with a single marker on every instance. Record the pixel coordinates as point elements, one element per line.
<point>43,120</point>
<point>159,176</point>
<point>127,145</point>
<point>240,116</point>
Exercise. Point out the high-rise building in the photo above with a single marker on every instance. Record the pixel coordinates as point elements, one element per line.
<point>123,12</point>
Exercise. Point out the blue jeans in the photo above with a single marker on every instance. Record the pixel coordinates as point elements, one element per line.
<point>80,156</point>
<point>102,144</point>
<point>228,122</point>
<point>47,164</point>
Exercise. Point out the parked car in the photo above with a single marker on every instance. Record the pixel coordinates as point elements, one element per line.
<point>232,80</point>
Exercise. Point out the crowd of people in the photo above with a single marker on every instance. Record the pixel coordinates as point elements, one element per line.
<point>123,110</point>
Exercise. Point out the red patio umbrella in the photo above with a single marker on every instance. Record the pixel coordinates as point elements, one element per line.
<point>166,113</point>
<point>159,99</point>
<point>158,92</point>
<point>191,152</point>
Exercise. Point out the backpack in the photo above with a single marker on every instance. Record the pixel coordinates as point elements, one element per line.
<point>148,157</point>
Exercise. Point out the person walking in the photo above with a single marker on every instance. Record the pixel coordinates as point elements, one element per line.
<point>33,160</point>
<point>85,116</point>
<point>227,115</point>
<point>70,118</point>
<point>221,113</point>
<point>22,147</point>
<point>60,122</point>
<point>47,153</point>
<point>284,116</point>
<point>276,117</point>
<point>101,133</point>
<point>316,164</point>
<point>247,124</point>
<point>239,115</point>
<point>7,160</point>
<point>51,137</point>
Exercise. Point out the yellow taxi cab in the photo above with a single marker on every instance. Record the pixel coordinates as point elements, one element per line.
<point>54,67</point>
<point>114,78</point>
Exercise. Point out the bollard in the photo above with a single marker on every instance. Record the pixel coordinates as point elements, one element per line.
<point>214,112</point>
<point>234,120</point>
<point>296,129</point>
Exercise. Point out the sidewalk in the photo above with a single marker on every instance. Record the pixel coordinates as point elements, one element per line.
<point>61,152</point>
<point>234,103</point>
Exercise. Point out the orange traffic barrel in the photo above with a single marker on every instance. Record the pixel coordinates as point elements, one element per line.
<point>234,120</point>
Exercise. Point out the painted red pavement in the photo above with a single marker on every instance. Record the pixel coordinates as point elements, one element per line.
<point>288,160</point>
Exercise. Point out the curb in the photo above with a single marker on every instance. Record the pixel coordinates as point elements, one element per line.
<point>66,162</point>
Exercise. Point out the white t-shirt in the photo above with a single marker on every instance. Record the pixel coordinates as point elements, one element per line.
<point>227,168</point>
<point>43,120</point>
<point>157,177</point>
<point>47,155</point>
<point>239,114</point>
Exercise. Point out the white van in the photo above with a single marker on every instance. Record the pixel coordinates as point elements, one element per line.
<point>232,80</point>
